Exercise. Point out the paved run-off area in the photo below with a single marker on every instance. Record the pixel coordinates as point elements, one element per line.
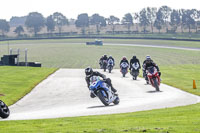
<point>65,94</point>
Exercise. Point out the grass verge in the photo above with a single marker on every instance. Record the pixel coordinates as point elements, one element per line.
<point>171,120</point>
<point>182,76</point>
<point>16,82</point>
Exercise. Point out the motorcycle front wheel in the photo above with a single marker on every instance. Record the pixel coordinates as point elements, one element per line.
<point>116,101</point>
<point>4,110</point>
<point>103,99</point>
<point>156,84</point>
<point>110,69</point>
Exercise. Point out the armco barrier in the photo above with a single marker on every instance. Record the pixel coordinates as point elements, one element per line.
<point>96,37</point>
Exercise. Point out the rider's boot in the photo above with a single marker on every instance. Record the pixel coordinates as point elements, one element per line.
<point>113,89</point>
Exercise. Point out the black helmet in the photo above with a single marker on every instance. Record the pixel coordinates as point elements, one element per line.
<point>134,56</point>
<point>88,71</point>
<point>148,59</point>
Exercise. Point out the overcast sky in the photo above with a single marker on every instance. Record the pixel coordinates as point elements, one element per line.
<point>71,8</point>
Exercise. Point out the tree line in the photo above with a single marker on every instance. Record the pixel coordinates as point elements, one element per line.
<point>161,18</point>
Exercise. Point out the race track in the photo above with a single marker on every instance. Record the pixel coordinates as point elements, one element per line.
<point>64,94</point>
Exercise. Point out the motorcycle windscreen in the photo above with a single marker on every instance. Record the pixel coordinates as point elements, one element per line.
<point>151,70</point>
<point>94,82</point>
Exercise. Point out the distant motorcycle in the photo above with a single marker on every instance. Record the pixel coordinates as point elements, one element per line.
<point>4,110</point>
<point>101,90</point>
<point>153,77</point>
<point>124,68</point>
<point>135,70</point>
<point>104,65</point>
<point>101,64</point>
<point>110,65</point>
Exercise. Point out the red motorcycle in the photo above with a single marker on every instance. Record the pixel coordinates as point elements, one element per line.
<point>153,77</point>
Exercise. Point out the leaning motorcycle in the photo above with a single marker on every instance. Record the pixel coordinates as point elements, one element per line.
<point>135,70</point>
<point>104,65</point>
<point>101,90</point>
<point>153,77</point>
<point>110,65</point>
<point>124,68</point>
<point>4,110</point>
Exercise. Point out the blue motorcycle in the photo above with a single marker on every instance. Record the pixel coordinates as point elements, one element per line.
<point>101,90</point>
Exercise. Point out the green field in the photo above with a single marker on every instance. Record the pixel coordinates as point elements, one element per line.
<point>173,120</point>
<point>68,55</point>
<point>15,82</point>
<point>179,68</point>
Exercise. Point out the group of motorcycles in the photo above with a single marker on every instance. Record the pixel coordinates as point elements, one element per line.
<point>107,64</point>
<point>151,74</point>
<point>124,68</point>
<point>4,110</point>
<point>101,90</point>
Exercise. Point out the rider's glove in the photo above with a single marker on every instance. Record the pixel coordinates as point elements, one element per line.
<point>104,78</point>
<point>159,73</point>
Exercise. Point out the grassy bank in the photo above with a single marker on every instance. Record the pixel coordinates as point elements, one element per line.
<point>16,82</point>
<point>182,76</point>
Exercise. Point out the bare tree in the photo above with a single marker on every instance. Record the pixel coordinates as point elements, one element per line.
<point>128,21</point>
<point>151,15</point>
<point>112,20</point>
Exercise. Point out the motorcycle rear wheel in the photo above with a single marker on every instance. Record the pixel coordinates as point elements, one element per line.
<point>4,110</point>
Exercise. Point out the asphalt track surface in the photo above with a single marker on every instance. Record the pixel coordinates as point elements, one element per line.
<point>65,94</point>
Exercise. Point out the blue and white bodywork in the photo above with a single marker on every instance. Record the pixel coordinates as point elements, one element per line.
<point>110,65</point>
<point>100,89</point>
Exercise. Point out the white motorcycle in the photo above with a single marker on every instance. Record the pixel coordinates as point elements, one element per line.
<point>124,68</point>
<point>110,65</point>
<point>135,70</point>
